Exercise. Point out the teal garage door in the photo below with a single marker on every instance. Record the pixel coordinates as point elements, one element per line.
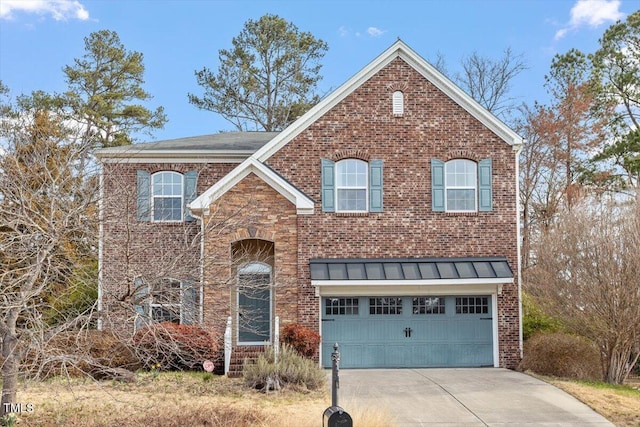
<point>409,331</point>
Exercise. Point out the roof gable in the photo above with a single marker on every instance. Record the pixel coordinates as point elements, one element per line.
<point>428,71</point>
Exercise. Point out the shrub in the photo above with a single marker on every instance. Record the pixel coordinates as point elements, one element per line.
<point>304,340</point>
<point>291,369</point>
<point>100,354</point>
<point>562,355</point>
<point>169,346</point>
<point>535,320</point>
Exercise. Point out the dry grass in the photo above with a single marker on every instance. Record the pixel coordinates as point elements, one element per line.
<point>176,399</point>
<point>618,404</point>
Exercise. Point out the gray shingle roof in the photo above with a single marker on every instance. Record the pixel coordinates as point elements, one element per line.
<point>410,268</point>
<point>224,141</point>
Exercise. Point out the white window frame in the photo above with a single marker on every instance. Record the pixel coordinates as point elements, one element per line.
<point>173,305</point>
<point>351,187</point>
<point>448,186</point>
<point>253,268</point>
<point>154,196</point>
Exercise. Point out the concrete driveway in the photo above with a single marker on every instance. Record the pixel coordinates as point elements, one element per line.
<point>463,397</point>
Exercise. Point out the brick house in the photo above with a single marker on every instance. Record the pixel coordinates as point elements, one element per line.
<point>385,218</point>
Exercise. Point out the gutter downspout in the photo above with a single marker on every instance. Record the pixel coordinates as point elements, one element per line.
<point>100,243</point>
<point>201,219</point>
<point>519,249</point>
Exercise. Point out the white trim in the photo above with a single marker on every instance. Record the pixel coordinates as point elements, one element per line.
<point>339,187</point>
<point>398,50</point>
<point>494,330</point>
<point>518,247</point>
<point>458,187</point>
<point>100,246</point>
<point>304,205</point>
<point>406,290</point>
<point>202,159</point>
<point>153,197</point>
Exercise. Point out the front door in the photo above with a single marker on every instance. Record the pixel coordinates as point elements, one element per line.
<point>254,304</point>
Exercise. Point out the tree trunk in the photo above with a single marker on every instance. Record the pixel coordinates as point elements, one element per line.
<point>9,370</point>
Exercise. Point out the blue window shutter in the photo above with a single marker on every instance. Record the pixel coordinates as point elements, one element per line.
<point>190,184</point>
<point>437,185</point>
<point>484,186</point>
<point>188,303</point>
<point>375,185</point>
<point>141,303</point>
<point>143,206</point>
<point>328,186</point>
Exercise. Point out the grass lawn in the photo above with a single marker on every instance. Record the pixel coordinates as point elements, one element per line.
<point>200,399</point>
<point>620,404</point>
<point>176,399</point>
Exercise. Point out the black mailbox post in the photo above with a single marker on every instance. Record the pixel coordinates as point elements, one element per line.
<point>335,416</point>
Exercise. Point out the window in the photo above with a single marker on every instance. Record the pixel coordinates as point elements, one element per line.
<point>165,300</point>
<point>254,303</point>
<point>352,185</point>
<point>166,196</point>
<point>472,305</point>
<point>398,103</point>
<point>428,305</point>
<point>341,306</point>
<point>389,305</point>
<point>461,185</point>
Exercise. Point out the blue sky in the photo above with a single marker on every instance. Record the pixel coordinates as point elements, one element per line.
<point>39,37</point>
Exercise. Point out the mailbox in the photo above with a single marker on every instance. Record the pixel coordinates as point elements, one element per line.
<point>335,416</point>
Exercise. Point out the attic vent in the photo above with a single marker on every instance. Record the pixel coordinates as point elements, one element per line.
<point>398,103</point>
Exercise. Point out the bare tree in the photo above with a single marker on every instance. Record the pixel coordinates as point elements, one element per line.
<point>47,232</point>
<point>488,80</point>
<point>586,275</point>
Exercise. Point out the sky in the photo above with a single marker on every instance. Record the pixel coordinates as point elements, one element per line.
<point>177,37</point>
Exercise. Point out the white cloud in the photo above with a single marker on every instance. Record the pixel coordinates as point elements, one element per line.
<point>343,31</point>
<point>60,10</point>
<point>375,32</point>
<point>591,13</point>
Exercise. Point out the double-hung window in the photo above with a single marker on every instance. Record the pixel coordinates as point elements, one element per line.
<point>165,300</point>
<point>461,185</point>
<point>166,196</point>
<point>352,186</point>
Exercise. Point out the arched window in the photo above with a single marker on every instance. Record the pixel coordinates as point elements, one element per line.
<point>351,185</point>
<point>461,185</point>
<point>166,196</point>
<point>398,103</point>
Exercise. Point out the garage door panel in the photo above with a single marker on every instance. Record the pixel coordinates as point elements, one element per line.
<point>457,333</point>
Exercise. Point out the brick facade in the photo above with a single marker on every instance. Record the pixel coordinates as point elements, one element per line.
<point>361,126</point>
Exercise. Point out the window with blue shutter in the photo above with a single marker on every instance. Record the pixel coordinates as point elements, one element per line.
<point>375,185</point>
<point>190,184</point>
<point>189,306</point>
<point>437,185</point>
<point>328,186</point>
<point>485,190</point>
<point>461,185</point>
<point>140,303</point>
<point>143,205</point>
<point>164,196</point>
<point>352,185</point>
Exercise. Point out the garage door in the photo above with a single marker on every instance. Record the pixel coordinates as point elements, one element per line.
<point>409,331</point>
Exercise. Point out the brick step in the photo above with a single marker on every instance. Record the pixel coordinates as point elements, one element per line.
<point>238,357</point>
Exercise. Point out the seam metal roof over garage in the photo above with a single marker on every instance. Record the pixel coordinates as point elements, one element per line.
<point>410,268</point>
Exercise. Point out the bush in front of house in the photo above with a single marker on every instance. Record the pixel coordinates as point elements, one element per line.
<point>289,368</point>
<point>304,340</point>
<point>562,355</point>
<point>169,346</point>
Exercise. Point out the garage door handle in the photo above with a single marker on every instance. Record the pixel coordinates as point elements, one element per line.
<point>328,320</point>
<point>482,318</point>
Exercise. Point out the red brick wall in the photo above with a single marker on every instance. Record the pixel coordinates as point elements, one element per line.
<point>363,125</point>
<point>150,250</point>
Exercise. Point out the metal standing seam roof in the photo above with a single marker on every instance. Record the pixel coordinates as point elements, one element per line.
<point>410,268</point>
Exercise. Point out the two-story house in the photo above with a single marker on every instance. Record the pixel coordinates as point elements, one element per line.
<point>385,218</point>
